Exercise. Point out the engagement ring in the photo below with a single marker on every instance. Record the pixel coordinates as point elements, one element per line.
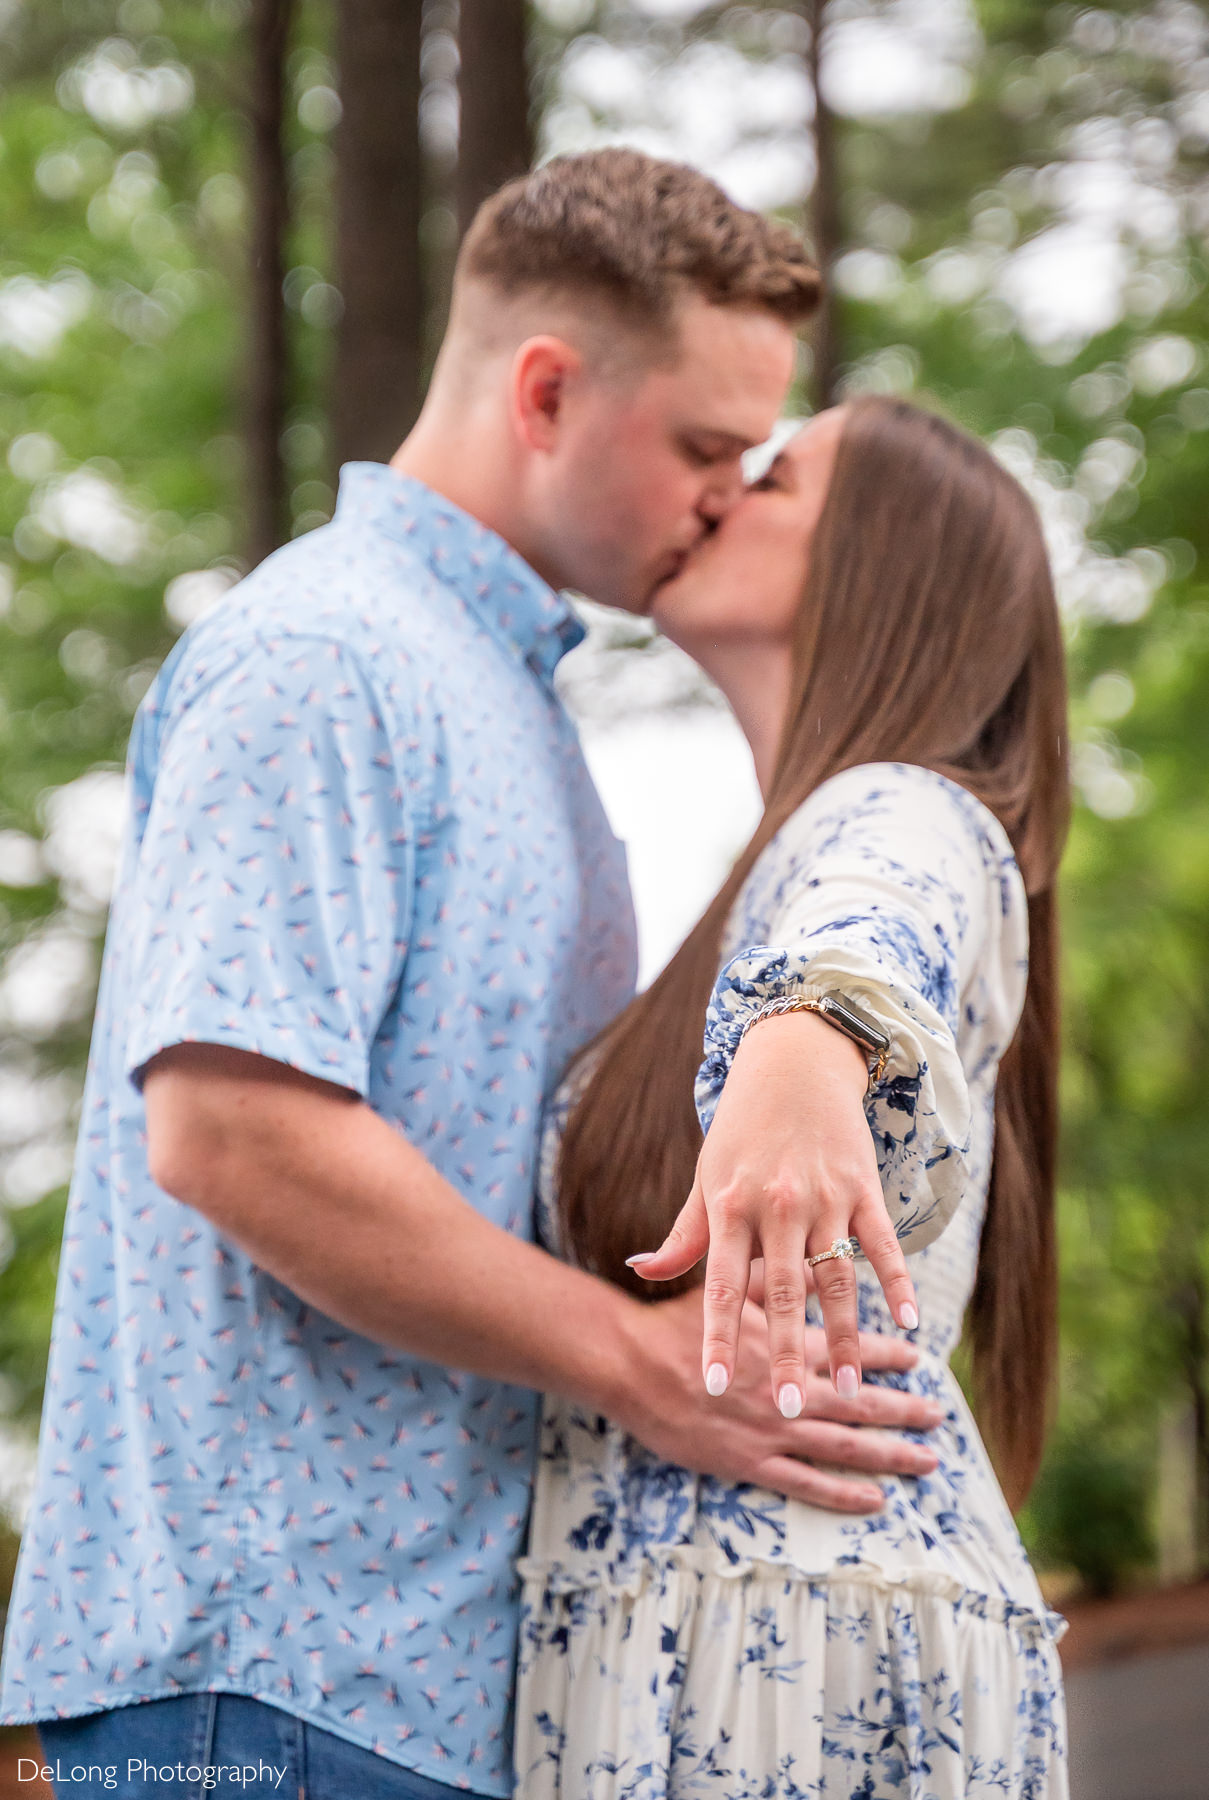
<point>846,1249</point>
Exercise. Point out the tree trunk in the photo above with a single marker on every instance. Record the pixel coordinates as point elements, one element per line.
<point>824,217</point>
<point>495,135</point>
<point>268,372</point>
<point>379,182</point>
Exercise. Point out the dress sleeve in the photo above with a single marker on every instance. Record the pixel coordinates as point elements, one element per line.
<point>272,891</point>
<point>894,886</point>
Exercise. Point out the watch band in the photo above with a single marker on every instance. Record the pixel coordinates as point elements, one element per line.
<point>839,1011</point>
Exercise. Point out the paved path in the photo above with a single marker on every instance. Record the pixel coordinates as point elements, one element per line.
<point>1139,1729</point>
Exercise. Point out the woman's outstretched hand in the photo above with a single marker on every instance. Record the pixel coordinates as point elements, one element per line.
<point>787,1167</point>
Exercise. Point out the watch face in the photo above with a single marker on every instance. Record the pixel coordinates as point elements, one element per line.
<point>861,1028</point>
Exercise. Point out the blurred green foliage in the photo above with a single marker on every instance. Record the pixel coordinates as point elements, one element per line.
<point>1105,1542</point>
<point>121,337</point>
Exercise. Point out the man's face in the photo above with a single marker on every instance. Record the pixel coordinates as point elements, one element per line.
<point>646,465</point>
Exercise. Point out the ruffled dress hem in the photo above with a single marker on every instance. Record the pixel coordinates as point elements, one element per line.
<point>542,1575</point>
<point>691,1677</point>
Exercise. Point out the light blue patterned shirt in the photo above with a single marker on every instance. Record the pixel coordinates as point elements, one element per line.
<point>363,842</point>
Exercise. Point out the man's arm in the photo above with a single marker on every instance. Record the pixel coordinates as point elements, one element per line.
<point>322,1193</point>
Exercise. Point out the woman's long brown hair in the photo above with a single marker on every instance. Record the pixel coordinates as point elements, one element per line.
<point>928,633</point>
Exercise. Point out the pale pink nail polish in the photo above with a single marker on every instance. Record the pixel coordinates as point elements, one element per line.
<point>908,1317</point>
<point>847,1382</point>
<point>645,1256</point>
<point>790,1400</point>
<point>716,1379</point>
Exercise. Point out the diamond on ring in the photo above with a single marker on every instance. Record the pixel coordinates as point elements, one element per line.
<point>844,1249</point>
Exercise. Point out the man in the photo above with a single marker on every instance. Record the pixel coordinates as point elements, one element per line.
<point>368,909</point>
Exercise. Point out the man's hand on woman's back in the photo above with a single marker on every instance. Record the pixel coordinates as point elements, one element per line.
<point>741,1436</point>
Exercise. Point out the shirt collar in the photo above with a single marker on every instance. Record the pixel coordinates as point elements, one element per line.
<point>508,595</point>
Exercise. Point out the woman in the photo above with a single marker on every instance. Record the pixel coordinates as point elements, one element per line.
<point>879,612</point>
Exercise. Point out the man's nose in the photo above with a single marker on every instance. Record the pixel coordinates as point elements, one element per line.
<point>720,495</point>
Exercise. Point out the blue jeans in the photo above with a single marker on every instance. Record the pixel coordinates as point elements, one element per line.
<point>217,1747</point>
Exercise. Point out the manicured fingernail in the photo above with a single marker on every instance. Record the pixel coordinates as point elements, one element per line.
<point>925,1462</point>
<point>873,1496</point>
<point>790,1400</point>
<point>716,1379</point>
<point>908,1317</point>
<point>847,1382</point>
<point>632,1262</point>
<point>933,1413</point>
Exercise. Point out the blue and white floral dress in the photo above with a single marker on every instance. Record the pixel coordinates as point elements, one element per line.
<point>685,1637</point>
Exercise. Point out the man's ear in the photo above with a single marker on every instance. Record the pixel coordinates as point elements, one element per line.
<point>542,370</point>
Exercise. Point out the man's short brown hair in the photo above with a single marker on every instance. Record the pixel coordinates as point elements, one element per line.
<point>627,229</point>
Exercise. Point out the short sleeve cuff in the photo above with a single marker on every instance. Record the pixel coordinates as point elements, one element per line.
<point>297,1043</point>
